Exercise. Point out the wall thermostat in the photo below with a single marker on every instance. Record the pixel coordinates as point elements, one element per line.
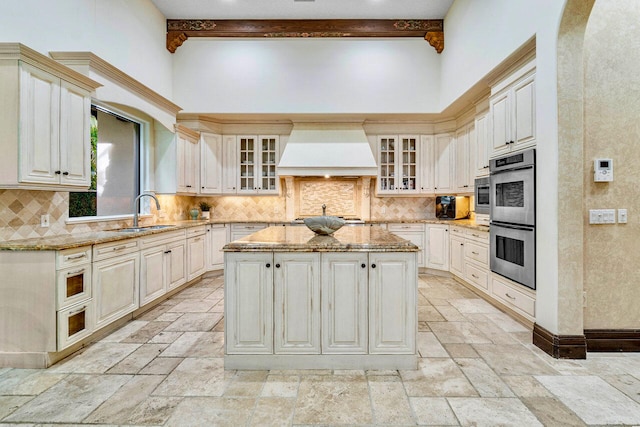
<point>603,170</point>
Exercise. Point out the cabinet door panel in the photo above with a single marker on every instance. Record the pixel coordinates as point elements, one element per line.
<point>211,164</point>
<point>217,240</point>
<point>196,258</point>
<point>152,274</point>
<point>249,303</point>
<point>39,126</point>
<point>297,303</point>
<point>344,303</point>
<point>392,303</point>
<point>230,165</point>
<point>524,112</point>
<point>500,126</point>
<point>443,160</point>
<point>115,282</point>
<point>75,149</point>
<point>176,264</point>
<point>438,243</point>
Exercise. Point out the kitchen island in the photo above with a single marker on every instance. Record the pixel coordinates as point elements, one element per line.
<point>297,300</point>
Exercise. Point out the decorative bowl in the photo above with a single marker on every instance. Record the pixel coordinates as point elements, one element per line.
<point>324,224</point>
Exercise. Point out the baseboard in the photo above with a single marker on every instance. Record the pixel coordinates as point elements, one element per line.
<point>609,340</point>
<point>560,346</point>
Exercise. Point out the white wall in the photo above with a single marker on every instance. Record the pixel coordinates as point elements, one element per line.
<point>478,36</point>
<point>129,34</point>
<point>307,76</point>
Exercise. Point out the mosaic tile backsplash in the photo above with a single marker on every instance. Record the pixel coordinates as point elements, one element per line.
<point>20,211</point>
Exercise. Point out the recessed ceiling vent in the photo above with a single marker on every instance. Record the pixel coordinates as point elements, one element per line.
<point>335,149</point>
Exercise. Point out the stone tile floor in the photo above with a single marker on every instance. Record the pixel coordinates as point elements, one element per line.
<point>477,368</point>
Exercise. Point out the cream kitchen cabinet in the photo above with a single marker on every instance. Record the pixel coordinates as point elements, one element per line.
<point>482,145</point>
<point>443,156</point>
<point>438,246</point>
<point>344,308</point>
<point>258,156</point>
<point>229,164</point>
<point>470,256</point>
<point>45,125</point>
<point>296,286</point>
<point>456,265</point>
<point>217,237</point>
<point>415,233</point>
<point>188,164</point>
<point>197,252</point>
<point>427,164</point>
<point>116,280</point>
<point>465,159</point>
<point>211,163</point>
<point>512,108</point>
<point>392,294</point>
<point>248,303</point>
<point>398,164</point>
<point>162,264</point>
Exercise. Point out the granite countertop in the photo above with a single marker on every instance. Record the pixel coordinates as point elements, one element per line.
<point>300,238</point>
<point>68,241</point>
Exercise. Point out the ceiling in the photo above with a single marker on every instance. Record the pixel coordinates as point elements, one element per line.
<point>303,9</point>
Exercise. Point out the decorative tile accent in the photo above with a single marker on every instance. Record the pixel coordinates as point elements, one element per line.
<point>403,208</point>
<point>340,196</point>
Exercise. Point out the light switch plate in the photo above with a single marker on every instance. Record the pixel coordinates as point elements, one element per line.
<point>622,216</point>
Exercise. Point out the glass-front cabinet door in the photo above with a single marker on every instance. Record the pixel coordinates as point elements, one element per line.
<point>398,160</point>
<point>258,157</point>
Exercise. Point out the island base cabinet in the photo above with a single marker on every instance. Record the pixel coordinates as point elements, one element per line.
<point>115,282</point>
<point>344,303</point>
<point>392,303</point>
<point>297,303</point>
<point>249,303</point>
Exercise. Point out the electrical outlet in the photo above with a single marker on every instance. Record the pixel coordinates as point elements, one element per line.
<point>44,220</point>
<point>622,216</point>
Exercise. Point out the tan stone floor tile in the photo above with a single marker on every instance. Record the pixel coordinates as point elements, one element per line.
<point>429,313</point>
<point>458,332</point>
<point>195,293</point>
<point>305,372</point>
<point>246,384</point>
<point>389,400</point>
<point>450,313</point>
<point>491,412</point>
<point>551,412</point>
<point>125,331</point>
<point>194,322</point>
<point>628,384</point>
<point>483,379</point>
<point>281,386</point>
<point>117,408</point>
<point>433,411</point>
<point>161,366</point>
<point>28,381</point>
<point>429,346</point>
<point>71,400</point>
<point>147,332</point>
<point>526,386</point>
<point>96,359</point>
<point>437,377</point>
<point>168,317</point>
<point>133,363</point>
<point>9,404</point>
<point>513,360</point>
<point>212,411</point>
<point>192,306</point>
<point>460,350</point>
<point>153,410</point>
<point>385,372</point>
<point>273,411</point>
<point>155,313</point>
<point>165,337</point>
<point>195,377</point>
<point>348,372</point>
<point>324,399</point>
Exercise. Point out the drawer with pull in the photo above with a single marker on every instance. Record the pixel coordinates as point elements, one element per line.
<point>75,323</point>
<point>477,252</point>
<point>73,285</point>
<point>73,257</point>
<point>161,238</point>
<point>196,231</point>
<point>111,249</point>
<point>477,235</point>
<point>513,297</point>
<point>476,276</point>
<point>405,227</point>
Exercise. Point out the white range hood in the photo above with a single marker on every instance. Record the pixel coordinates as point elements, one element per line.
<point>335,149</point>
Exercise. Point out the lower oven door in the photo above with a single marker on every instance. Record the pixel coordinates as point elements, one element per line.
<point>513,252</point>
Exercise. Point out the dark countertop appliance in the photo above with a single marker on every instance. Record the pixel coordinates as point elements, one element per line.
<point>452,207</point>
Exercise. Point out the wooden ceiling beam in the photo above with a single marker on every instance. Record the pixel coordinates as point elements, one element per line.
<point>179,30</point>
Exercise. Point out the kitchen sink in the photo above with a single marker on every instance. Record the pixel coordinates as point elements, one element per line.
<point>139,229</point>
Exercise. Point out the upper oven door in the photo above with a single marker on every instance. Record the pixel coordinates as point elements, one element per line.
<point>513,196</point>
<point>482,190</point>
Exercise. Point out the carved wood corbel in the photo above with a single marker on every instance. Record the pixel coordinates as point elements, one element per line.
<point>175,40</point>
<point>435,39</point>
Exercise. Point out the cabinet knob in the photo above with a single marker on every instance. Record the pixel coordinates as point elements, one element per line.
<point>65,173</point>
<point>506,143</point>
<point>167,252</point>
<point>373,266</point>
<point>363,265</point>
<point>268,265</point>
<point>277,265</point>
<point>57,172</point>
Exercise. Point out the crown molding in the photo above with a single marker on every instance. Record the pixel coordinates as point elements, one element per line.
<point>179,30</point>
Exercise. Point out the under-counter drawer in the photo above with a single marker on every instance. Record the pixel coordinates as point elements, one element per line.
<point>513,297</point>
<point>457,231</point>
<point>477,252</point>
<point>478,236</point>
<point>73,257</point>
<point>73,285</point>
<point>111,249</point>
<point>196,231</point>
<point>161,238</point>
<point>75,323</point>
<point>476,276</point>
<point>405,227</point>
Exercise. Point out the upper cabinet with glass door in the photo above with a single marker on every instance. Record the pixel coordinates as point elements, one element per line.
<point>45,122</point>
<point>398,164</point>
<point>257,160</point>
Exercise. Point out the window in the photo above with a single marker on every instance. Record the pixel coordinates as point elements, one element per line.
<point>115,167</point>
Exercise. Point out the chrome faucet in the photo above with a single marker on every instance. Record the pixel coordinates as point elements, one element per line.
<point>324,209</point>
<point>136,207</point>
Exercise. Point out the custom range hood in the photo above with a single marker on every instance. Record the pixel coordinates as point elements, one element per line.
<point>334,149</point>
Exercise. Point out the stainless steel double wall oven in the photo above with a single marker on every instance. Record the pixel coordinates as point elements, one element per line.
<point>513,212</point>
